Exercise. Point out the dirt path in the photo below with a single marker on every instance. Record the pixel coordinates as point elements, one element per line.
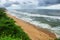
<point>32,31</point>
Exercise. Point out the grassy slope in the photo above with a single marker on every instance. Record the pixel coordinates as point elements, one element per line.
<point>9,29</point>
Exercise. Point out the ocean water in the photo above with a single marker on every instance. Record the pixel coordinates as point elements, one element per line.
<point>43,18</point>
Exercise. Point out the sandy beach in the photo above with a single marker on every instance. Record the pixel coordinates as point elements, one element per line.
<point>33,32</point>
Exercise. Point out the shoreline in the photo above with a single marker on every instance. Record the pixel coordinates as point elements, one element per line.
<point>34,32</point>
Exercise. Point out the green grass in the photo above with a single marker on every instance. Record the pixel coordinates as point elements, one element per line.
<point>9,38</point>
<point>9,28</point>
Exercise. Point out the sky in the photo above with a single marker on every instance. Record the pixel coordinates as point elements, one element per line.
<point>29,4</point>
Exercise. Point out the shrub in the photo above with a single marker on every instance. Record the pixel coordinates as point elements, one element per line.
<point>57,39</point>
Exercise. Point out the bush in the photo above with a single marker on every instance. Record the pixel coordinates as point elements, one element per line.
<point>57,39</point>
<point>9,28</point>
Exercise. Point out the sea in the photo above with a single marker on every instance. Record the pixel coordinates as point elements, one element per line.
<point>42,18</point>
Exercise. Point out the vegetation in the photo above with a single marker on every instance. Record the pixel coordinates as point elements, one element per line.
<point>9,30</point>
<point>9,38</point>
<point>57,39</point>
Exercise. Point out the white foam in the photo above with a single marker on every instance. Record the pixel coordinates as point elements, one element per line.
<point>36,15</point>
<point>57,33</point>
<point>55,30</point>
<point>42,25</point>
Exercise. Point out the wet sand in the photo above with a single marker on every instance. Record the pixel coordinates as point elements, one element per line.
<point>33,32</point>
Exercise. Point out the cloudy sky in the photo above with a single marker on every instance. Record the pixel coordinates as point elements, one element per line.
<point>29,3</point>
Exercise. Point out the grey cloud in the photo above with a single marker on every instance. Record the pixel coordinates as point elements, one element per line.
<point>8,4</point>
<point>48,2</point>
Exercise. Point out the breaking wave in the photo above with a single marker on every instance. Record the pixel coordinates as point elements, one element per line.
<point>39,20</point>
